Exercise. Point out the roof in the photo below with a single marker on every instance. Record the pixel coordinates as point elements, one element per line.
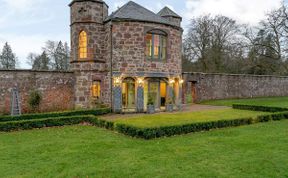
<point>134,11</point>
<point>166,12</point>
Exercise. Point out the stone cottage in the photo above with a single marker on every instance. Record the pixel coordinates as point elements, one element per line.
<point>126,58</point>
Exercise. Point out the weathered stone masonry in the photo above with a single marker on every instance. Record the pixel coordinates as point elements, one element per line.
<point>57,89</point>
<point>225,86</point>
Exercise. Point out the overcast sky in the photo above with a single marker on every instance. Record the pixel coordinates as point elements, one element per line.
<point>27,24</point>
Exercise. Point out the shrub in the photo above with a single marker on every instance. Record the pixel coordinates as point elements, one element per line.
<point>150,99</point>
<point>51,122</point>
<point>166,131</point>
<point>259,108</point>
<point>95,112</point>
<point>34,100</point>
<point>189,98</point>
<point>272,117</point>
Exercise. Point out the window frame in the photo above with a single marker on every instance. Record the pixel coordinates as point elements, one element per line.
<point>85,54</point>
<point>162,36</point>
<point>96,83</point>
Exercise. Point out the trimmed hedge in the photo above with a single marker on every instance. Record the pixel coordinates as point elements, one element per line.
<point>272,117</point>
<point>52,122</point>
<point>96,112</point>
<point>150,133</point>
<point>259,108</point>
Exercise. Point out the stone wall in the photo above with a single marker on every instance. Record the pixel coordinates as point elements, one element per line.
<point>129,48</point>
<point>88,16</point>
<point>224,86</point>
<point>57,89</point>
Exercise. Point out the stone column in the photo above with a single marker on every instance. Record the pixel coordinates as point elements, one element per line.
<point>140,99</point>
<point>170,91</point>
<point>117,99</point>
<point>180,98</point>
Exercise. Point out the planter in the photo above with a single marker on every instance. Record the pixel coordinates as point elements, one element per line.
<point>169,107</point>
<point>180,107</point>
<point>150,109</point>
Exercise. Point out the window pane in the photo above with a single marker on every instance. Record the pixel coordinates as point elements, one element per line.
<point>156,46</point>
<point>83,45</point>
<point>149,45</point>
<point>163,51</point>
<point>96,89</point>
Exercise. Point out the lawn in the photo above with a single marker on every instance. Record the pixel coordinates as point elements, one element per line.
<point>157,120</point>
<point>272,102</point>
<point>258,150</point>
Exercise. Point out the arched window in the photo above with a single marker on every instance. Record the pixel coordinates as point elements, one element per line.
<point>156,45</point>
<point>83,45</point>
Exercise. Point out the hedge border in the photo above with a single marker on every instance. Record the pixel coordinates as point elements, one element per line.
<point>53,122</point>
<point>144,133</point>
<point>167,131</point>
<point>95,112</point>
<point>152,133</point>
<point>258,108</point>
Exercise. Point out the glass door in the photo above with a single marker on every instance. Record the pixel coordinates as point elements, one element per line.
<point>154,92</point>
<point>163,93</point>
<point>128,94</point>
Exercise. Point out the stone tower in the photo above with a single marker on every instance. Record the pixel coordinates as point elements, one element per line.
<point>89,52</point>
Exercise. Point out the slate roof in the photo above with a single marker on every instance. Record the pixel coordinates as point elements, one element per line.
<point>166,12</point>
<point>134,11</point>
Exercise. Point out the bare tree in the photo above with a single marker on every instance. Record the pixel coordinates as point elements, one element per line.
<point>198,41</point>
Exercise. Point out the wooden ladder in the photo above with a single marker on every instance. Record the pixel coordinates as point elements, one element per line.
<point>15,103</point>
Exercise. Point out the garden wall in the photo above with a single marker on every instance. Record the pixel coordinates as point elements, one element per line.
<point>57,89</point>
<point>201,86</point>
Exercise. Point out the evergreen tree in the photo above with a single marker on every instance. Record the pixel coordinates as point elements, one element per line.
<point>39,62</point>
<point>58,53</point>
<point>8,59</point>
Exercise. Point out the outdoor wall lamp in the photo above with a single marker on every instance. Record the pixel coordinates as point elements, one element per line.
<point>140,81</point>
<point>117,81</point>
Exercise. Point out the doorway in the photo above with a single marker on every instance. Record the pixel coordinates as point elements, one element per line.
<point>128,93</point>
<point>157,90</point>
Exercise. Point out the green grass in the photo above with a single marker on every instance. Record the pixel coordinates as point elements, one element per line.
<point>258,150</point>
<point>157,120</point>
<point>273,102</point>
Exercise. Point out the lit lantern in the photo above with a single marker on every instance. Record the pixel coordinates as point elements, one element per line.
<point>171,81</point>
<point>140,81</point>
<point>181,81</point>
<point>117,81</point>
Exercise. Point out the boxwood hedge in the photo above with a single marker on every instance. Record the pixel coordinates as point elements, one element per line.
<point>259,108</point>
<point>95,112</point>
<point>166,131</point>
<point>52,122</point>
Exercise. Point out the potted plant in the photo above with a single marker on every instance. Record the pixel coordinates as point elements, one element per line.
<point>169,105</point>
<point>150,104</point>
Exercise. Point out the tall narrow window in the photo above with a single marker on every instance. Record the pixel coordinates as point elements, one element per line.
<point>96,89</point>
<point>83,45</point>
<point>156,45</point>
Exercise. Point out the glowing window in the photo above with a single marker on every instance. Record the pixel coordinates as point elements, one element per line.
<point>156,46</point>
<point>83,45</point>
<point>96,89</point>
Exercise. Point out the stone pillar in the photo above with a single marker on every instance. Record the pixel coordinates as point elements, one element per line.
<point>140,99</point>
<point>117,99</point>
<point>170,91</point>
<point>180,99</point>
